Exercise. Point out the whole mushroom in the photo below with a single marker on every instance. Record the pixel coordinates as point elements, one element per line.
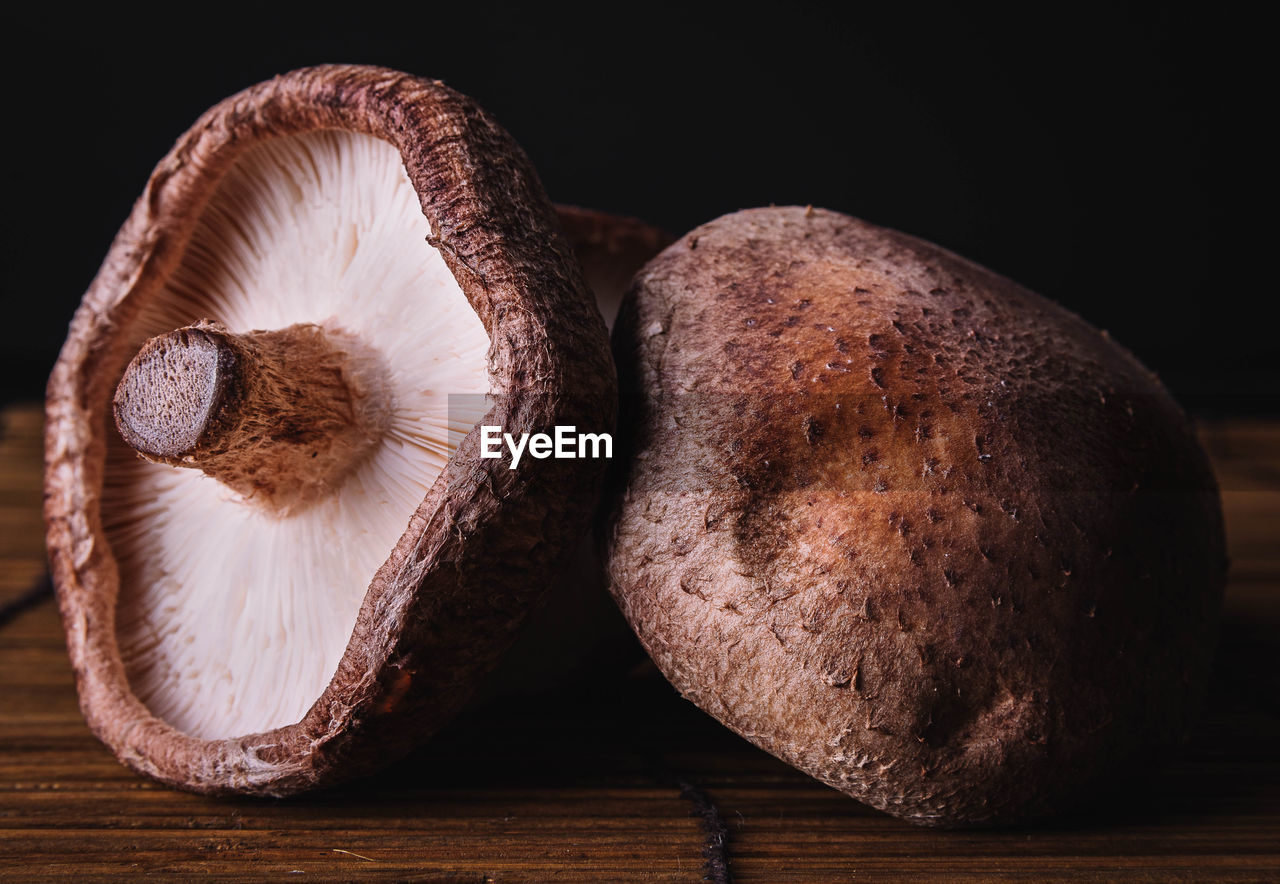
<point>330,279</point>
<point>919,532</point>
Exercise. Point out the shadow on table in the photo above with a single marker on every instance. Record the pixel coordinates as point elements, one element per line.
<point>1229,766</point>
<point>630,727</point>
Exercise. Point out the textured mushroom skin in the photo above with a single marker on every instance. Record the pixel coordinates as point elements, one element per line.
<point>917,531</point>
<point>579,629</point>
<point>482,545</point>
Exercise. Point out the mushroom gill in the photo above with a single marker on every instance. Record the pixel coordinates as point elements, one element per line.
<point>233,614</point>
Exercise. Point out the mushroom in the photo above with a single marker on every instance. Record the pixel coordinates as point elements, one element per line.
<point>281,559</point>
<point>610,248</point>
<point>919,532</point>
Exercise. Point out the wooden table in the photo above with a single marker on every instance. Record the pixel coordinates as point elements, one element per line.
<point>620,779</point>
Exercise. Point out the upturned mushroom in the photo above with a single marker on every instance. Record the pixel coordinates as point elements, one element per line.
<point>921,533</point>
<point>330,279</point>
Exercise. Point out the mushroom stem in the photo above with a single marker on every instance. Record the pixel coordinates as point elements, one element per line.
<point>280,416</point>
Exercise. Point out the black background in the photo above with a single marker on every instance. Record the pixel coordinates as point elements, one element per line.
<point>1110,158</point>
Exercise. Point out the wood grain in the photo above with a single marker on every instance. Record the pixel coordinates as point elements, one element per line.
<point>584,783</point>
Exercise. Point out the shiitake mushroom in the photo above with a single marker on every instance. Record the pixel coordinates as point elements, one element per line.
<point>327,283</point>
<point>923,534</point>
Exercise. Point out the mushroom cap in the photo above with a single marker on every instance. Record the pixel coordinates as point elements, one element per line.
<point>454,579</point>
<point>921,533</point>
<point>610,248</point>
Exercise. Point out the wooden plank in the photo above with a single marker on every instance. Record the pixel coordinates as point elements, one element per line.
<point>22,558</point>
<point>584,784</point>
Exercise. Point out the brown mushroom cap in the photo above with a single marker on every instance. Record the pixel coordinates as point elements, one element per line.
<point>477,550</point>
<point>610,248</point>
<point>917,531</point>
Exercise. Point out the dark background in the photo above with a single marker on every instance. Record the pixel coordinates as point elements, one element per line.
<point>1110,159</point>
